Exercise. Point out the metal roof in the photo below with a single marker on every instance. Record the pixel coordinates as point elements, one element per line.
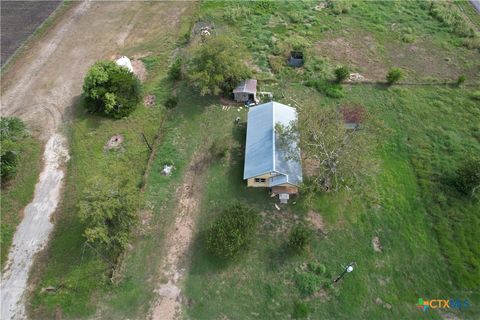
<point>262,151</point>
<point>249,85</point>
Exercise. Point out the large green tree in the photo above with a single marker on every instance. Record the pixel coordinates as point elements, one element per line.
<point>111,90</point>
<point>12,130</point>
<point>108,210</point>
<point>338,156</point>
<point>217,65</point>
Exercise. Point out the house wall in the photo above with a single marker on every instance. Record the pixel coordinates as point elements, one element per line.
<point>251,182</point>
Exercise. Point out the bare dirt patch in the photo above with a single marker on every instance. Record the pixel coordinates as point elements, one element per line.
<point>431,61</point>
<point>114,142</point>
<point>178,241</point>
<point>139,69</point>
<point>372,59</point>
<point>149,100</point>
<point>377,247</point>
<point>317,221</point>
<point>362,52</point>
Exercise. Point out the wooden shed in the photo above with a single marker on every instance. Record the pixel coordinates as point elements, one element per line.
<point>246,91</point>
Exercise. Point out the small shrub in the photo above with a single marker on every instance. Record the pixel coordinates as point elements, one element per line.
<point>461,79</point>
<point>12,130</point>
<point>394,75</point>
<point>175,71</point>
<point>408,38</point>
<point>219,148</point>
<point>300,310</point>
<point>264,7</point>
<point>476,95</point>
<point>471,43</point>
<point>317,268</point>
<point>276,63</point>
<point>235,13</point>
<point>467,179</point>
<point>232,231</point>
<point>297,43</point>
<point>300,237</point>
<point>308,283</point>
<point>341,73</point>
<point>341,6</point>
<point>332,90</point>
<point>171,102</point>
<point>111,90</point>
<point>167,162</point>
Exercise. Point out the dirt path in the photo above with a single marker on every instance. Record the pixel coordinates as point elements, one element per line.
<point>41,88</point>
<point>32,233</point>
<point>188,195</point>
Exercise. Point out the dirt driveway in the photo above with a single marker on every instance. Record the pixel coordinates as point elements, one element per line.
<point>41,88</point>
<point>178,242</point>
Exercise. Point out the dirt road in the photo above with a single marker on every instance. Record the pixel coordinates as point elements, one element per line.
<point>168,305</point>
<point>41,88</point>
<point>32,233</point>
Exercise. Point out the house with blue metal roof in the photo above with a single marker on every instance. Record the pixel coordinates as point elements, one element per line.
<point>267,164</point>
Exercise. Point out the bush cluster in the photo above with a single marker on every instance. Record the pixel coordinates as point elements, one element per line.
<point>12,130</point>
<point>300,310</point>
<point>394,75</point>
<point>312,279</point>
<point>232,231</point>
<point>332,90</point>
<point>108,210</point>
<point>341,73</point>
<point>219,148</point>
<point>111,90</point>
<point>299,238</point>
<point>467,179</point>
<point>175,71</point>
<point>217,66</point>
<point>171,102</point>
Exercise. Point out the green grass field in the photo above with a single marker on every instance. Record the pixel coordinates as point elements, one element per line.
<point>18,192</point>
<point>398,209</point>
<point>428,232</point>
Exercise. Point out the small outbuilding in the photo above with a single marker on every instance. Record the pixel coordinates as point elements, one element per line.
<point>246,91</point>
<point>267,164</point>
